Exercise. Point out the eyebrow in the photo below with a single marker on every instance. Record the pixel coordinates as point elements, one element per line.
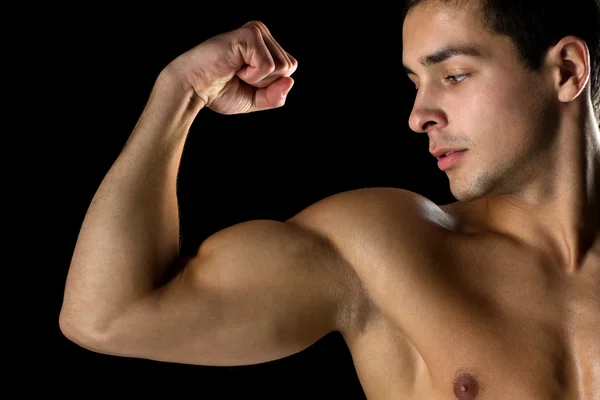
<point>444,54</point>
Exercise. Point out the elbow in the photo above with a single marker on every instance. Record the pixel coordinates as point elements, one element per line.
<point>76,332</point>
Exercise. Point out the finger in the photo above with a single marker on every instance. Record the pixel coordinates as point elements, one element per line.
<point>274,95</point>
<point>255,53</point>
<point>284,66</point>
<point>284,62</point>
<point>294,64</point>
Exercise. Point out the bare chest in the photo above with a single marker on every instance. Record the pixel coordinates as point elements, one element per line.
<point>481,321</point>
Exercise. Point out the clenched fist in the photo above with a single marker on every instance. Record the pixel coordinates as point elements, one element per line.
<point>240,71</point>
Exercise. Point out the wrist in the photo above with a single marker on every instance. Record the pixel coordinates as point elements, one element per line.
<point>169,111</point>
<point>173,84</point>
<point>172,102</point>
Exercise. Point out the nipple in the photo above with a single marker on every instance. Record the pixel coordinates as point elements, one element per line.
<point>466,387</point>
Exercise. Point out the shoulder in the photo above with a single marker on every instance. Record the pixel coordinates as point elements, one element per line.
<point>362,212</point>
<point>374,231</point>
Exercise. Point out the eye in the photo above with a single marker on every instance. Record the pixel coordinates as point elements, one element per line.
<point>454,79</point>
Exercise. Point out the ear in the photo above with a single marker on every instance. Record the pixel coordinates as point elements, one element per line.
<point>570,58</point>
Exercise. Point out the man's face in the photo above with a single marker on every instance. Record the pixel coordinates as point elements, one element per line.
<point>488,103</point>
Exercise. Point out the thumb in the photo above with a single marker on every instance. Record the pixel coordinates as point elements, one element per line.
<point>285,84</point>
<point>274,95</point>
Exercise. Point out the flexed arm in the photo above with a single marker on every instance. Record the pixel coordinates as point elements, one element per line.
<point>130,234</point>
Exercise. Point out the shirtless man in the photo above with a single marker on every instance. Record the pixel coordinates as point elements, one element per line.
<point>494,297</point>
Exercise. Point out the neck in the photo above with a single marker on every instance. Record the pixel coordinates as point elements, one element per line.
<point>559,211</point>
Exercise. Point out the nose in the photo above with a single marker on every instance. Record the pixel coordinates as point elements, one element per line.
<point>426,115</point>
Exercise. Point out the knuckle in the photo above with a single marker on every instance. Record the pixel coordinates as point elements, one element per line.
<point>254,25</point>
<point>287,66</point>
<point>270,66</point>
<point>258,24</point>
<point>281,68</point>
<point>251,30</point>
<point>248,31</point>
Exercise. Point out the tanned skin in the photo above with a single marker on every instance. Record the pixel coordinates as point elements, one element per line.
<point>496,296</point>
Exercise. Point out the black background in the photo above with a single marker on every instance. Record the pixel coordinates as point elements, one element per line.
<point>344,126</point>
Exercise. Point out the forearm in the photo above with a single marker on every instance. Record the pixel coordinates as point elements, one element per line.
<point>130,233</point>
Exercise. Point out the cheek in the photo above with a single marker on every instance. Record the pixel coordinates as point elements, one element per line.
<point>498,116</point>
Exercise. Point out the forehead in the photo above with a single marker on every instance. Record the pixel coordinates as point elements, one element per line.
<point>432,26</point>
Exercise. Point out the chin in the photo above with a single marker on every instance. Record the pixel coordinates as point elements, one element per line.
<point>469,190</point>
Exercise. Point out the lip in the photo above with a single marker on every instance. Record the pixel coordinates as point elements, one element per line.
<point>439,152</point>
<point>450,161</point>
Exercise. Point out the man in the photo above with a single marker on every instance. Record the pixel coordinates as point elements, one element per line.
<point>496,296</point>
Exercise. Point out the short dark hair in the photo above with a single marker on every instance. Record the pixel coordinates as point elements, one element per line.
<point>535,25</point>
